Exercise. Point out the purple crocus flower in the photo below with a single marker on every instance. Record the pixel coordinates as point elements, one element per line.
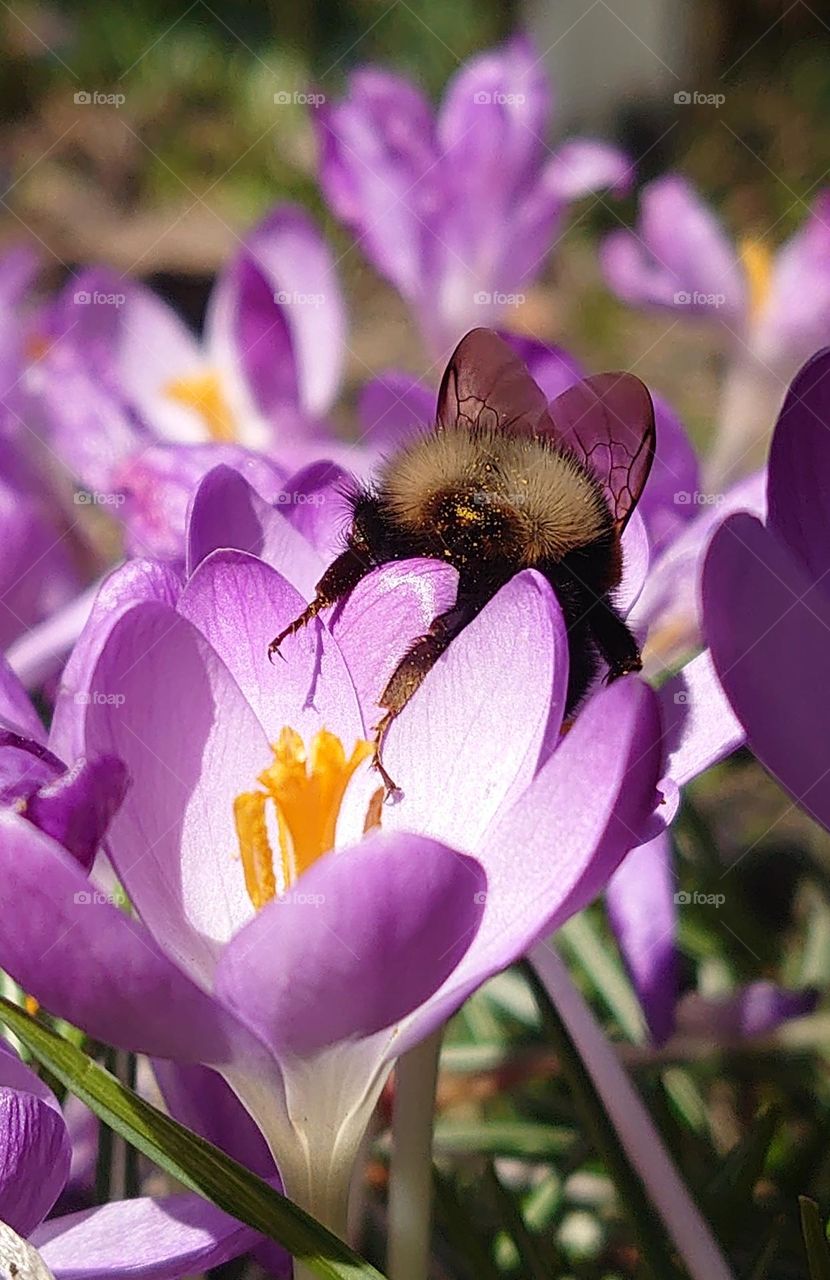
<point>139,408</point>
<point>679,258</point>
<point>458,210</point>
<point>767,602</point>
<point>301,974</point>
<point>773,308</point>
<point>160,1239</point>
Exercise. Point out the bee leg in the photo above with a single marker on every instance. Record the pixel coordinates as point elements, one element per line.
<point>342,575</point>
<point>390,788</point>
<point>616,643</point>
<point>409,674</point>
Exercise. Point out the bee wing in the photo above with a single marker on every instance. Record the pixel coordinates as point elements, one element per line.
<point>607,420</point>
<point>487,385</point>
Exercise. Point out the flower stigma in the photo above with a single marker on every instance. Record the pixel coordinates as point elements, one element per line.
<point>306,789</point>
<point>203,392</point>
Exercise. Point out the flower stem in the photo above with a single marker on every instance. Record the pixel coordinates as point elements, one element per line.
<point>410,1184</point>
<point>582,1040</point>
<point>746,415</point>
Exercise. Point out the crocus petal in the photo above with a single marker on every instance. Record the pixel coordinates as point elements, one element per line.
<point>86,961</point>
<point>200,1099</point>
<point>127,341</point>
<point>89,423</point>
<point>278,315</point>
<point>34,1146</point>
<point>378,621</point>
<point>588,806</point>
<point>142,1239</point>
<point>169,708</point>
<point>315,501</point>
<point>376,152</point>
<point>75,809</point>
<point>157,485</point>
<point>552,368</point>
<point>681,257</point>
<point>154,349</point>
<point>127,585</point>
<point>14,1074</point>
<point>37,655</point>
<point>496,227</point>
<point>37,570</point>
<point>699,726</point>
<point>393,406</point>
<point>497,104</point>
<point>447,749</point>
<point>668,500</point>
<point>25,765</point>
<point>767,625</point>
<point>641,906</point>
<point>368,935</point>
<point>668,609</point>
<point>636,558</point>
<point>581,166</point>
<point>697,1247</point>
<point>799,468</point>
<point>240,603</point>
<point>796,313</point>
<point>16,710</point>
<point>754,1010</point>
<point>228,512</point>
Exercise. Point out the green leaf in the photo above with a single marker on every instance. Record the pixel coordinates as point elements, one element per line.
<point>583,942</point>
<point>815,1240</point>
<point>730,1191</point>
<point>520,1139</point>
<point>538,1254</point>
<point>195,1163</point>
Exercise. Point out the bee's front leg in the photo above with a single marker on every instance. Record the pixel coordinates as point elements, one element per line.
<point>342,575</point>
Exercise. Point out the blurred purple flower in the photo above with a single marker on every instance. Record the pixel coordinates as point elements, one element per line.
<point>773,307</point>
<point>160,1239</point>
<point>766,600</point>
<point>755,1010</point>
<point>138,408</point>
<point>680,258</point>
<point>40,565</point>
<point>458,210</point>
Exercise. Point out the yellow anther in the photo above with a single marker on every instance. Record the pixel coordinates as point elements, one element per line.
<point>307,790</point>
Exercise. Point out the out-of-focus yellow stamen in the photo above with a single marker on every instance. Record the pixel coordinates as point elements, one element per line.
<point>203,392</point>
<point>307,790</point>
<point>757,263</point>
<point>31,1006</point>
<point>35,347</point>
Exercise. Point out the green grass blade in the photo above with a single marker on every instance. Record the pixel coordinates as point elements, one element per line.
<point>195,1163</point>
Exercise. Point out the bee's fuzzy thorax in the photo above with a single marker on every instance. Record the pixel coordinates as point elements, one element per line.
<point>552,502</point>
